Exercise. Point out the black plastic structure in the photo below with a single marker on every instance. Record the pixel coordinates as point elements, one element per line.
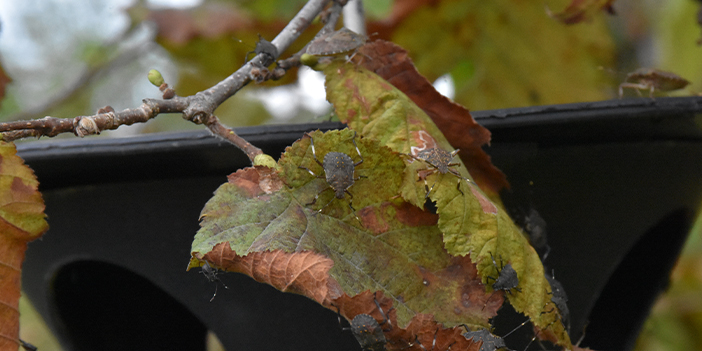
<point>617,182</point>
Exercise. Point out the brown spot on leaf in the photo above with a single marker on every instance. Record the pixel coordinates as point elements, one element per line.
<point>372,220</point>
<point>471,295</point>
<point>485,203</point>
<point>413,216</point>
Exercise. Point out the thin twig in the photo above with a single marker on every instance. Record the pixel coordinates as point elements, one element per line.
<point>198,108</point>
<point>90,76</point>
<point>205,102</point>
<point>333,17</point>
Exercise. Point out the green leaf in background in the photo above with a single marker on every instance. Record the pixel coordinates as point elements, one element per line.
<point>520,55</point>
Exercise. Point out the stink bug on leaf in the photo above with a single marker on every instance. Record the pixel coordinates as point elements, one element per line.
<point>506,277</point>
<point>560,299</point>
<point>367,331</point>
<point>652,79</point>
<point>339,171</point>
<point>343,41</point>
<point>489,342</point>
<point>440,161</point>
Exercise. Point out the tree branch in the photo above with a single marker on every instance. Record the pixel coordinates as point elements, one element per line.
<point>197,108</point>
<point>205,102</point>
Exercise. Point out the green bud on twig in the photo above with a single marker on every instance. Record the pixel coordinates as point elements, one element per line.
<point>155,77</point>
<point>308,60</point>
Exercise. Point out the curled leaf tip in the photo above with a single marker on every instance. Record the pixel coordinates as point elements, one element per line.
<point>155,77</point>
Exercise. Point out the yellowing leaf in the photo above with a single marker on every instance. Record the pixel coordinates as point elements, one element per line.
<point>471,224</point>
<point>22,220</point>
<point>520,56</point>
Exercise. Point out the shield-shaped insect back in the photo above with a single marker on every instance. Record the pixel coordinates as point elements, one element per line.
<point>506,277</point>
<point>489,341</point>
<point>339,172</point>
<point>560,299</point>
<point>343,41</point>
<point>263,46</point>
<point>438,160</point>
<point>367,331</point>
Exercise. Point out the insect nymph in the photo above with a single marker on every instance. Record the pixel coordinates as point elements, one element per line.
<point>339,169</point>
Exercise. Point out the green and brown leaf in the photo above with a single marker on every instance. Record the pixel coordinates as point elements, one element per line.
<point>22,220</point>
<point>287,229</point>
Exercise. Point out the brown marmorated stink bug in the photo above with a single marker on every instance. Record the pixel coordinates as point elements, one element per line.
<point>506,277</point>
<point>367,331</point>
<point>560,299</point>
<point>263,46</point>
<point>440,161</point>
<point>339,171</point>
<point>343,41</point>
<point>652,80</point>
<point>489,342</point>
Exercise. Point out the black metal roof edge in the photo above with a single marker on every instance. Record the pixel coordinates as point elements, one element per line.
<point>492,119</point>
<point>148,143</point>
<point>590,111</point>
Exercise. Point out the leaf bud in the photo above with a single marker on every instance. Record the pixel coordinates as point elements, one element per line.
<point>155,77</point>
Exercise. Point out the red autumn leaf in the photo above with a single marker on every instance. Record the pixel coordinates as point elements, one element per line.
<point>582,10</point>
<point>22,220</point>
<point>393,64</point>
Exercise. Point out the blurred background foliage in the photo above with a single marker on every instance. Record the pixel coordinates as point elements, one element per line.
<point>69,58</point>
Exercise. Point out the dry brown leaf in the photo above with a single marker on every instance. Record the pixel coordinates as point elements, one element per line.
<point>305,273</point>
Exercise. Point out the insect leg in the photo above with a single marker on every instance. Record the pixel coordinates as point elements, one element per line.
<point>517,328</point>
<point>309,170</point>
<point>632,86</point>
<point>314,153</point>
<point>357,150</point>
<point>316,197</point>
<point>385,316</point>
<point>351,206</point>
<point>338,316</point>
